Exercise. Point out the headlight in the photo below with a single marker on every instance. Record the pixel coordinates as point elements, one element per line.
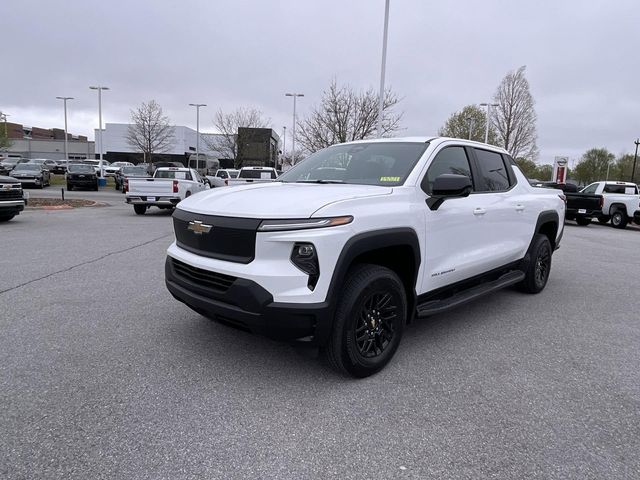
<point>302,224</point>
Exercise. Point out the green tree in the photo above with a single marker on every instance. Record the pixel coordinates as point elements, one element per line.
<point>594,164</point>
<point>528,167</point>
<point>544,172</point>
<point>5,143</point>
<point>469,123</point>
<point>623,168</point>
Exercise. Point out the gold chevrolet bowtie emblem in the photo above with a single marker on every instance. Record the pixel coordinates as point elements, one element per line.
<point>197,227</point>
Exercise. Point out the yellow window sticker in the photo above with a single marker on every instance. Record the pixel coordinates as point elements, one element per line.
<point>389,179</point>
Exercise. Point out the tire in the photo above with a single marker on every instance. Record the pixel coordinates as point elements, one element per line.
<point>583,221</point>
<point>357,342</point>
<point>538,266</point>
<point>69,187</point>
<point>95,189</point>
<point>140,209</point>
<point>619,219</point>
<point>187,195</point>
<point>6,218</point>
<point>604,219</point>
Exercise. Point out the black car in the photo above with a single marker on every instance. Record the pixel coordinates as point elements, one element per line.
<point>32,174</point>
<point>81,175</point>
<point>11,198</point>
<point>9,164</point>
<point>139,171</point>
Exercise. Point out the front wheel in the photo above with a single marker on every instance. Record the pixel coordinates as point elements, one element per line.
<point>369,321</point>
<point>583,221</point>
<point>538,266</point>
<point>140,209</point>
<point>69,187</point>
<point>6,218</point>
<point>619,219</point>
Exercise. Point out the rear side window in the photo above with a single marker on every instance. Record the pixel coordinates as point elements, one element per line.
<point>448,160</point>
<point>493,173</point>
<point>622,189</point>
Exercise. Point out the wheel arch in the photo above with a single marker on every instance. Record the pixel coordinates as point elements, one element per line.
<point>548,224</point>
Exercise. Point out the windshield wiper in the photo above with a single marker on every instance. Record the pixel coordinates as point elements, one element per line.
<point>319,181</point>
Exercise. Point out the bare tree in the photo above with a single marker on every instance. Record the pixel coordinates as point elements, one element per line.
<point>227,124</point>
<point>344,115</point>
<point>515,117</point>
<point>150,131</point>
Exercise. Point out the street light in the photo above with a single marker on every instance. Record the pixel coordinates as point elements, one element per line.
<point>197,105</point>
<point>470,122</point>
<point>293,135</point>
<point>99,89</point>
<point>486,130</point>
<point>66,151</point>
<point>383,68</point>
<point>284,141</point>
<point>635,158</point>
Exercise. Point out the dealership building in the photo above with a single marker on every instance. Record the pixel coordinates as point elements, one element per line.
<point>35,142</point>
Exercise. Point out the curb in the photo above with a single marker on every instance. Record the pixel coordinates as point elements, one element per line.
<point>67,207</point>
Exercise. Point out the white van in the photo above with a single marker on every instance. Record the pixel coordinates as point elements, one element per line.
<point>203,163</point>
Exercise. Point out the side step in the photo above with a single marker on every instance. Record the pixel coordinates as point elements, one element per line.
<point>437,306</point>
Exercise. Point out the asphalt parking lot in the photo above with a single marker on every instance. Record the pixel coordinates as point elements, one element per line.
<point>104,375</point>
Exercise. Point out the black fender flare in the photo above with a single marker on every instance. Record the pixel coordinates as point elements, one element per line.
<point>545,217</point>
<point>361,244</point>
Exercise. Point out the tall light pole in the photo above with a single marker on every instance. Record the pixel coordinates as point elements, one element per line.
<point>197,105</point>
<point>100,89</point>
<point>383,68</point>
<point>66,150</point>
<point>486,130</point>
<point>293,135</point>
<point>470,122</point>
<point>284,141</point>
<point>635,158</point>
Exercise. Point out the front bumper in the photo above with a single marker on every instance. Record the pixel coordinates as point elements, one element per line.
<point>573,212</point>
<point>9,207</point>
<point>246,305</point>
<point>30,181</point>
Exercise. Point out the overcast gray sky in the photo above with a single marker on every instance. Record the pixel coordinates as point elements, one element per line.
<point>582,60</point>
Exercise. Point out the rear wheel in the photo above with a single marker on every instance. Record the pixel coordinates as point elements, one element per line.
<point>369,321</point>
<point>539,265</point>
<point>619,219</point>
<point>140,209</point>
<point>583,221</point>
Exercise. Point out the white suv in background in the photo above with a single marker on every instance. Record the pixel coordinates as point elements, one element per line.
<point>359,239</point>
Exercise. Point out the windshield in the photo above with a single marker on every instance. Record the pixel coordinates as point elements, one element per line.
<point>384,164</point>
<point>80,168</point>
<point>134,171</point>
<point>29,167</point>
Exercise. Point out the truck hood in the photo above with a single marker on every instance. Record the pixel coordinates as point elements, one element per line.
<point>275,200</point>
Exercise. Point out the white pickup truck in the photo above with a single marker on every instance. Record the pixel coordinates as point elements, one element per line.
<point>621,202</point>
<point>220,179</point>
<point>253,175</point>
<point>359,239</point>
<point>167,187</point>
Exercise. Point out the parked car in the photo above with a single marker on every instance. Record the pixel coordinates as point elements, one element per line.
<point>621,203</point>
<point>9,164</point>
<point>221,177</point>
<point>111,170</point>
<point>581,207</point>
<point>81,175</point>
<point>45,162</point>
<point>96,164</point>
<point>253,175</point>
<point>404,228</point>
<point>12,198</point>
<point>32,174</point>
<point>165,190</point>
<point>137,171</point>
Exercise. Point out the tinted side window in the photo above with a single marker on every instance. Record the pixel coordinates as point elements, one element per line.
<point>449,160</point>
<point>493,172</point>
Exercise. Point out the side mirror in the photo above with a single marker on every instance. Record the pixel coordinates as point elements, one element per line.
<point>448,186</point>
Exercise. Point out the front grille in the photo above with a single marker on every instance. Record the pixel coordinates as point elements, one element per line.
<point>229,239</point>
<point>217,282</point>
<point>13,194</point>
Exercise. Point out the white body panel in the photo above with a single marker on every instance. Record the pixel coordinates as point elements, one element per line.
<point>160,191</point>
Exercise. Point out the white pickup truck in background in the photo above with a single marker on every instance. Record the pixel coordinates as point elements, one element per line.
<point>166,189</point>
<point>621,202</point>
<point>253,174</point>
<point>221,177</point>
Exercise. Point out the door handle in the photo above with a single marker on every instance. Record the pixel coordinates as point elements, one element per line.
<point>519,207</point>
<point>479,211</point>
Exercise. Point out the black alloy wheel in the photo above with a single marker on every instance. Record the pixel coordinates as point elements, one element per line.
<point>370,316</point>
<point>538,266</point>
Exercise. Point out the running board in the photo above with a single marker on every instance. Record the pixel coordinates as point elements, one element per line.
<point>437,306</point>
